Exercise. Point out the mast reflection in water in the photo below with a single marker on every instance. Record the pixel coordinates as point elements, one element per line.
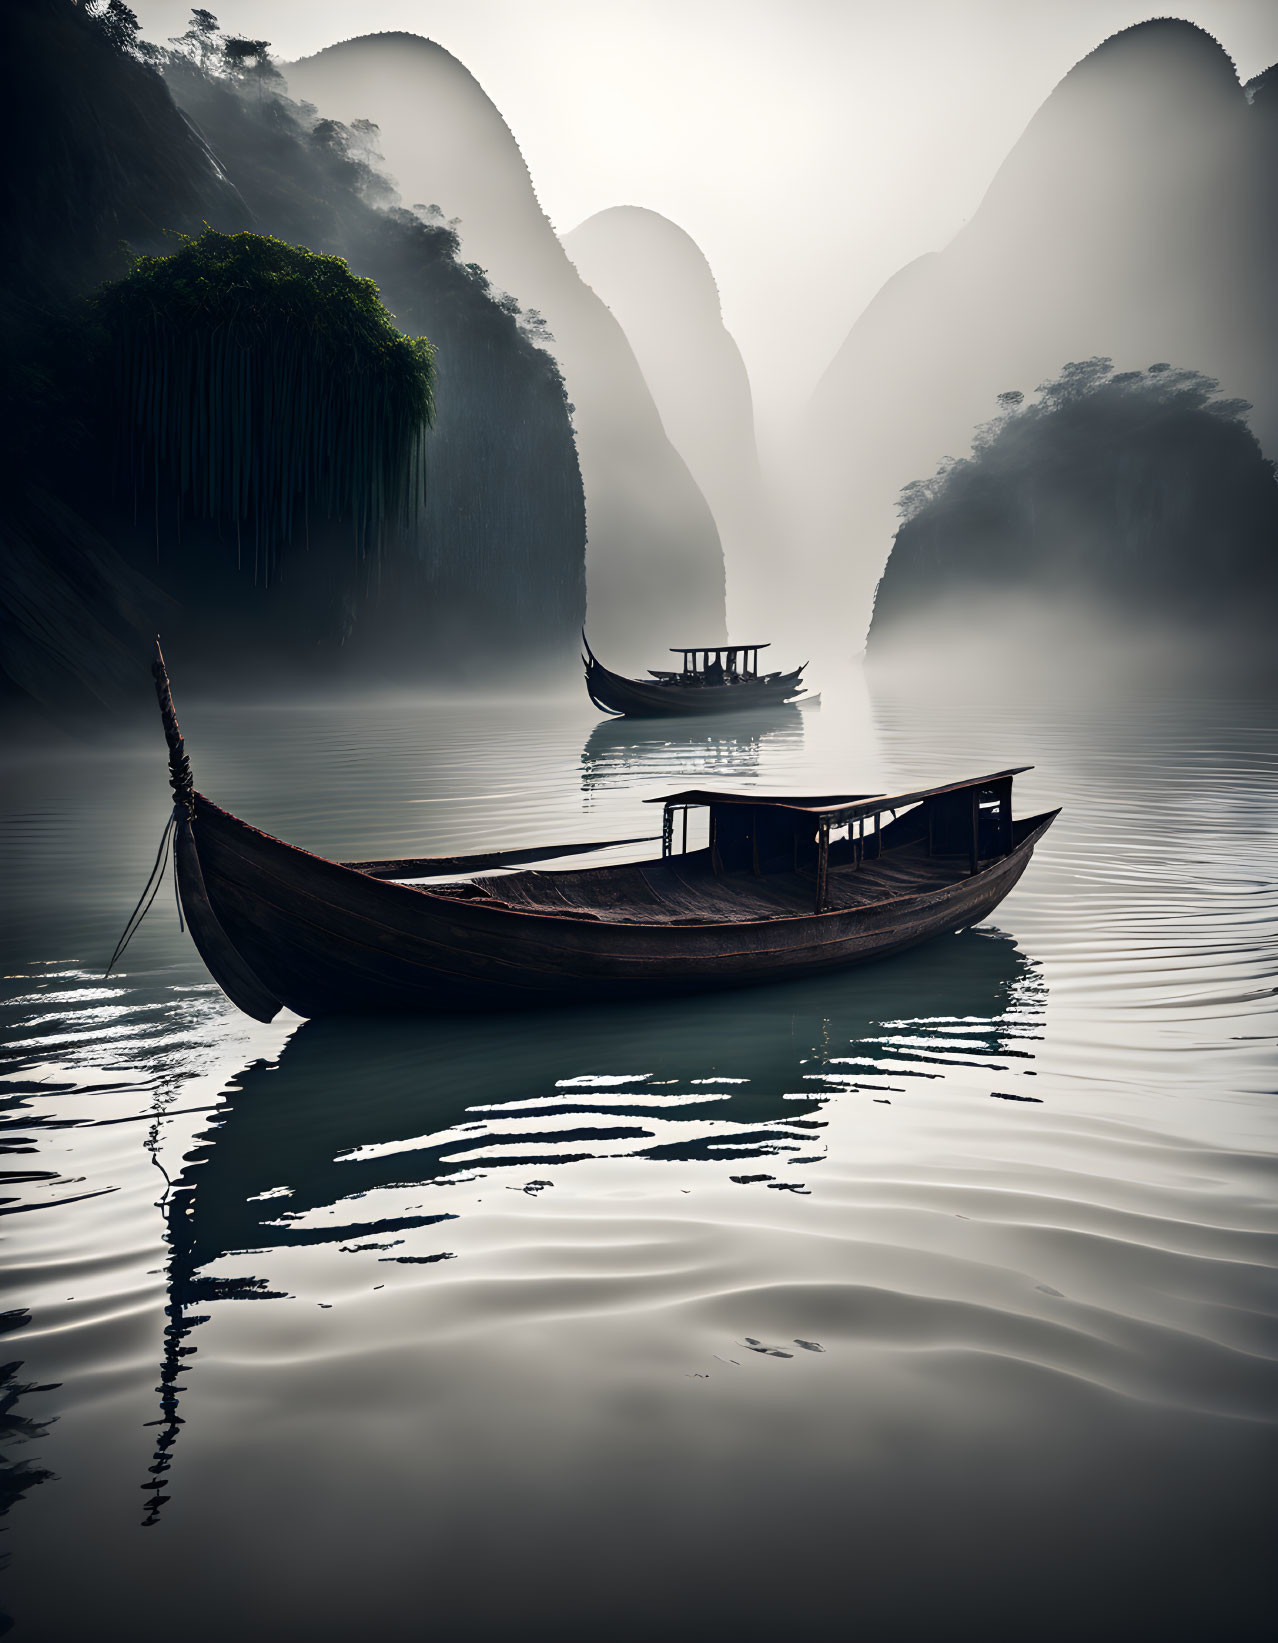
<point>324,1147</point>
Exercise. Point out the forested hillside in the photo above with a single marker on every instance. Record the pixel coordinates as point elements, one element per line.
<point>1136,500</point>
<point>127,150</point>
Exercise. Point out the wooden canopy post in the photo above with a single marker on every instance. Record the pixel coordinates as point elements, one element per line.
<point>823,863</point>
<point>974,847</point>
<point>667,829</point>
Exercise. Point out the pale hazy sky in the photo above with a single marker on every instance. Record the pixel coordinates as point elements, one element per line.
<point>810,147</point>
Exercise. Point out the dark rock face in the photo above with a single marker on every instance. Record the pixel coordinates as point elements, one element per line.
<point>1135,218</point>
<point>491,576</point>
<point>655,567</point>
<point>656,280</point>
<point>1118,508</point>
<point>97,154</point>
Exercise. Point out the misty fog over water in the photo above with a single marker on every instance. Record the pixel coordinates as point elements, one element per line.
<point>919,1291</point>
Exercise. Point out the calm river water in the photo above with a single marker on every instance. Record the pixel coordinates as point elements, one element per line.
<point>933,1300</point>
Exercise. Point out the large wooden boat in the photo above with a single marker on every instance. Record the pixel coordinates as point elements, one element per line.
<point>713,679</point>
<point>783,887</point>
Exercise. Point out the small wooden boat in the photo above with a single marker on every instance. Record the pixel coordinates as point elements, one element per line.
<point>713,679</point>
<point>783,887</point>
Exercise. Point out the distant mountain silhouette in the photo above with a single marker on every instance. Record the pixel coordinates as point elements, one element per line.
<point>1137,217</point>
<point>654,564</point>
<point>1119,509</point>
<point>658,283</point>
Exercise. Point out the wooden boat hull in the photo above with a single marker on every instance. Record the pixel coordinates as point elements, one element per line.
<point>639,698</point>
<point>277,926</point>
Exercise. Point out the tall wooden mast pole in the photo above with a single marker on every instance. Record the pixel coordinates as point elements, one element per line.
<point>180,778</point>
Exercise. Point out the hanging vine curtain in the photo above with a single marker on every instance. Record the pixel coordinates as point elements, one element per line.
<point>264,382</point>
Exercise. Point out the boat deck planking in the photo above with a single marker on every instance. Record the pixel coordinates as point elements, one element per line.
<point>685,887</point>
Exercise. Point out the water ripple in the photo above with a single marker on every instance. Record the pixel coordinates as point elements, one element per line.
<point>761,1276</point>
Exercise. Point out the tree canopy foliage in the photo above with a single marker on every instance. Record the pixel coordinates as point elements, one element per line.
<point>118,25</point>
<point>259,380</point>
<point>1086,394</point>
<point>1141,492</point>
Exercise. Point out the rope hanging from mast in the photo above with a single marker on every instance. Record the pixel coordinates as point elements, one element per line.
<point>183,785</point>
<point>149,892</point>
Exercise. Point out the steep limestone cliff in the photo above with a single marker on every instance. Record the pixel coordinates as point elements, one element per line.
<point>654,562</point>
<point>657,282</point>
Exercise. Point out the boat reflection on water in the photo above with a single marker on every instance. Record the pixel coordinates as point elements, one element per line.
<point>620,752</point>
<point>19,1473</point>
<point>322,1147</point>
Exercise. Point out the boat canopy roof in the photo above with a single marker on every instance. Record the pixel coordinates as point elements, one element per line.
<point>714,650</point>
<point>842,805</point>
